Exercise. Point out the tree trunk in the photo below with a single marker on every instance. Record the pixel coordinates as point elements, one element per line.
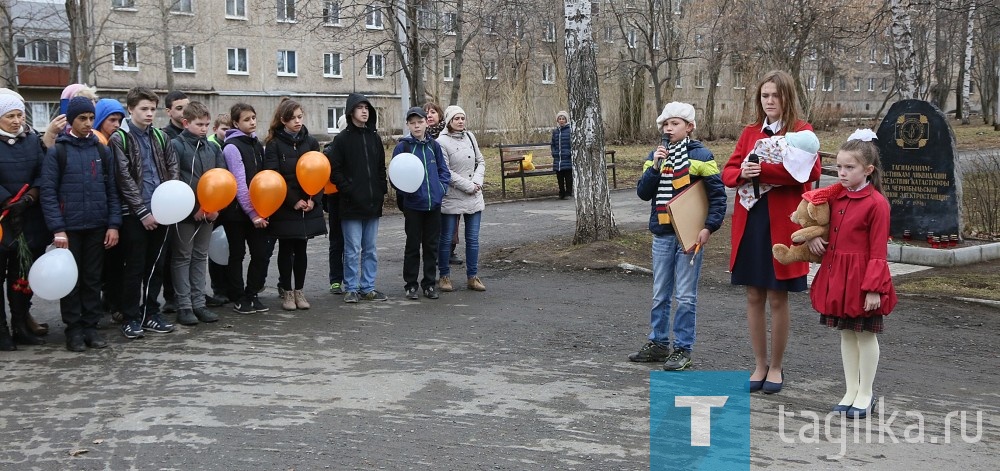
<point>714,70</point>
<point>168,68</point>
<point>902,38</point>
<point>594,219</point>
<point>8,76</point>
<point>456,83</point>
<point>964,105</point>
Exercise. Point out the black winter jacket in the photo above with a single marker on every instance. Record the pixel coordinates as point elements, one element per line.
<point>82,195</point>
<point>282,155</point>
<point>194,157</point>
<point>357,166</point>
<point>21,163</point>
<point>129,167</point>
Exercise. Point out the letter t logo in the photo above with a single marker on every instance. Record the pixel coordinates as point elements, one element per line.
<point>701,416</point>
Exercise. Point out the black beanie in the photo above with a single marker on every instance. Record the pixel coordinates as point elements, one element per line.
<point>78,105</point>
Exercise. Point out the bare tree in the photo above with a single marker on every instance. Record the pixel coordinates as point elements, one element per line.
<point>965,77</point>
<point>29,28</point>
<point>906,74</point>
<point>594,219</point>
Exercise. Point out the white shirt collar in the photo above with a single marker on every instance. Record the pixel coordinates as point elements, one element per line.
<point>775,126</point>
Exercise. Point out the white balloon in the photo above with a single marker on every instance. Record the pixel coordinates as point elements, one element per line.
<point>218,248</point>
<point>53,275</point>
<point>406,172</point>
<point>172,201</point>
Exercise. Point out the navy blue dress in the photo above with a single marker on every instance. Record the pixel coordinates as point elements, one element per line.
<point>755,262</point>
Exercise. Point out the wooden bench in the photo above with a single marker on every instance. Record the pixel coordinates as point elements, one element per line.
<point>512,164</point>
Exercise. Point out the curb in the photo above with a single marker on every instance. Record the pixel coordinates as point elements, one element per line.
<point>943,258</point>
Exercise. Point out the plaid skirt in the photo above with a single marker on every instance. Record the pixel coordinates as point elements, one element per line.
<point>874,324</point>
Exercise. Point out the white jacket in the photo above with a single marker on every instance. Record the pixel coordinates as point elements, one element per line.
<point>461,152</point>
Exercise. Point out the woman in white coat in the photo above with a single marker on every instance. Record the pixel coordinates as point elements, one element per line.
<point>464,197</point>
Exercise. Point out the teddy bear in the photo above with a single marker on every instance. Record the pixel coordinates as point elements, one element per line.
<point>813,214</point>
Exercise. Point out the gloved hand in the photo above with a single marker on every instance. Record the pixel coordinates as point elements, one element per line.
<point>17,208</point>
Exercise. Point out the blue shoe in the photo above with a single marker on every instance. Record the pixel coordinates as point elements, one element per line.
<point>856,413</point>
<point>771,388</point>
<point>755,386</point>
<point>839,408</point>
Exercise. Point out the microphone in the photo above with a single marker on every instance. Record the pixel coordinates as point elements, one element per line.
<point>755,180</point>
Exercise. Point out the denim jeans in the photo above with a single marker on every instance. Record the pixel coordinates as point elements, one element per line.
<point>674,276</point>
<point>448,222</point>
<point>359,246</point>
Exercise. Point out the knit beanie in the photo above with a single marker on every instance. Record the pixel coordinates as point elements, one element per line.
<point>7,91</point>
<point>67,94</point>
<point>563,114</point>
<point>10,103</point>
<point>450,113</point>
<point>77,106</point>
<point>676,109</point>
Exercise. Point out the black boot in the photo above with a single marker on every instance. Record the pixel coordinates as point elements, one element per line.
<point>6,342</point>
<point>23,334</point>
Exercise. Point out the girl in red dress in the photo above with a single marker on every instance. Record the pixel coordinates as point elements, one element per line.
<point>853,289</point>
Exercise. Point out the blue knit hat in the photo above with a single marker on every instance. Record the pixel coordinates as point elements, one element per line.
<point>77,106</point>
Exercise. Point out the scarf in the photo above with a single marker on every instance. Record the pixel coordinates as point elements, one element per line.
<point>673,176</point>
<point>435,130</point>
<point>12,138</point>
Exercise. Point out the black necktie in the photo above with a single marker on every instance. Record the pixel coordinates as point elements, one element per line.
<point>768,131</point>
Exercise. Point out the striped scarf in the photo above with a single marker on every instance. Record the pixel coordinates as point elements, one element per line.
<point>673,176</point>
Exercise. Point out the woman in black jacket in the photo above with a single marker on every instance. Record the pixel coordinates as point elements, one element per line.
<point>299,218</point>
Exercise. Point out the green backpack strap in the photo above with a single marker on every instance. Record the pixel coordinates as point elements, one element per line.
<point>156,132</point>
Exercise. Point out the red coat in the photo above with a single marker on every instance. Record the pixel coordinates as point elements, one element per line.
<point>781,201</point>
<point>854,262</point>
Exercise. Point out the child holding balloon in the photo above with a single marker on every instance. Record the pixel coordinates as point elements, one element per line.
<point>421,204</point>
<point>300,216</point>
<point>189,239</point>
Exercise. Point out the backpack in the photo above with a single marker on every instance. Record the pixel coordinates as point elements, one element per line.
<point>156,132</point>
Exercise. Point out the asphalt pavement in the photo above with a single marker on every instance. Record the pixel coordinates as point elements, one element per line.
<point>531,374</point>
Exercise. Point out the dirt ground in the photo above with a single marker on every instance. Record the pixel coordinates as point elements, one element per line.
<point>981,280</point>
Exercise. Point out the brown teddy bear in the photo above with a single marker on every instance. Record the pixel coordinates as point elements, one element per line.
<point>813,214</point>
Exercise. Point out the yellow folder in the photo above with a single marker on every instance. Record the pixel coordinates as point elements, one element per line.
<point>688,212</point>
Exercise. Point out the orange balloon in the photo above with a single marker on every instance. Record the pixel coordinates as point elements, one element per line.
<point>330,188</point>
<point>216,189</point>
<point>313,171</point>
<point>267,192</point>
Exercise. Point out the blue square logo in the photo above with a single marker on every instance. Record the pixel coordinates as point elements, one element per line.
<point>699,420</point>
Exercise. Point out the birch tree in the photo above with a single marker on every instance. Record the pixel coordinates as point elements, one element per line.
<point>965,73</point>
<point>902,38</point>
<point>594,219</point>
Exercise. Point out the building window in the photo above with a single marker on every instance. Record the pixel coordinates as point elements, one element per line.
<point>450,23</point>
<point>699,79</point>
<point>827,83</point>
<point>548,73</point>
<point>811,83</point>
<point>41,113</point>
<point>490,25</point>
<point>122,3</point>
<point>490,70</point>
<point>738,80</point>
<point>448,70</point>
<point>609,34</point>
<point>286,11</point>
<point>331,13</point>
<point>236,8</point>
<point>885,84</point>
<point>237,61</point>
<point>41,50</point>
<point>630,39</point>
<point>813,55</point>
<point>375,66</point>
<point>871,84</point>
<point>656,40</point>
<point>124,56</point>
<point>857,84</point>
<point>699,42</point>
<point>373,17</point>
<point>549,35</point>
<point>426,19</point>
<point>332,117</point>
<point>886,57</point>
<point>843,83</point>
<point>287,63</point>
<point>331,65</point>
<point>183,58</point>
<point>874,56</point>
<point>679,82</point>
<point>181,6</point>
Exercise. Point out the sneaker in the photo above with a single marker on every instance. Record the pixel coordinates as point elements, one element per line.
<point>156,323</point>
<point>244,306</point>
<point>351,297</point>
<point>133,330</point>
<point>300,299</point>
<point>205,315</point>
<point>650,352</point>
<point>374,295</point>
<point>678,360</point>
<point>411,293</point>
<point>431,292</point>
<point>257,305</point>
<point>288,300</point>
<point>93,339</point>
<point>185,316</point>
<point>336,288</point>
<point>444,284</point>
<point>215,301</point>
<point>75,342</point>
<point>117,317</point>
<point>475,284</point>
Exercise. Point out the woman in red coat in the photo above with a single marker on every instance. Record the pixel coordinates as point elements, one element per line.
<point>760,222</point>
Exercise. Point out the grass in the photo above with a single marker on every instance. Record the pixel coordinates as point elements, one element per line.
<point>969,285</point>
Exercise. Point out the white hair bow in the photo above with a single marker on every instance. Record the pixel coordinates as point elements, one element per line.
<point>863,135</point>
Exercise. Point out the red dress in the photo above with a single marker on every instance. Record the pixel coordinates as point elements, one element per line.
<point>854,262</point>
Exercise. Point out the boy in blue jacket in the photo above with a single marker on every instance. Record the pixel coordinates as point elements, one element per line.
<point>679,162</point>
<point>80,203</point>
<point>422,208</point>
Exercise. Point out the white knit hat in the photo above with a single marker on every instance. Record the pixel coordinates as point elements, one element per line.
<point>10,103</point>
<point>7,91</point>
<point>450,113</point>
<point>676,109</point>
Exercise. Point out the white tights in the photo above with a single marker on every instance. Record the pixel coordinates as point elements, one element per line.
<point>860,352</point>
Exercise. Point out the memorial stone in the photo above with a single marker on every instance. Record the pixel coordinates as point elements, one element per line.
<point>922,179</point>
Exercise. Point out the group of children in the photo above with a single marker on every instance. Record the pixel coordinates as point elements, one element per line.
<point>852,291</point>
